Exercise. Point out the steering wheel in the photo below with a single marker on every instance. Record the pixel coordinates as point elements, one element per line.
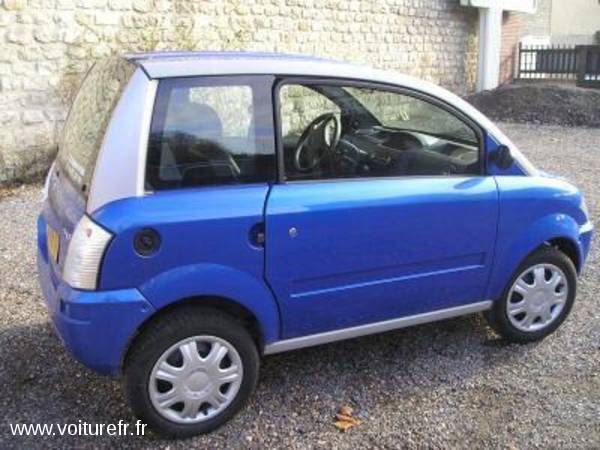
<point>319,138</point>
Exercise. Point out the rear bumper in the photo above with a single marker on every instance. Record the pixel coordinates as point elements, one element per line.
<point>95,326</point>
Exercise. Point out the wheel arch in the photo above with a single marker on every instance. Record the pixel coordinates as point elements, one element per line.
<point>196,305</point>
<point>237,293</point>
<point>557,230</point>
<point>569,247</point>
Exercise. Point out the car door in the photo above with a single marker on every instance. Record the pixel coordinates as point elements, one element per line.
<point>356,239</point>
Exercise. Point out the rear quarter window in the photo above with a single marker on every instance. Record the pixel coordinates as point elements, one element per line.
<point>211,131</point>
<point>89,117</point>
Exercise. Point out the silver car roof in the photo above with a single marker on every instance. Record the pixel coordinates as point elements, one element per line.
<point>176,64</point>
<point>186,64</point>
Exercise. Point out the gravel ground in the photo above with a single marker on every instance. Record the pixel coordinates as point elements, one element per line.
<point>446,385</point>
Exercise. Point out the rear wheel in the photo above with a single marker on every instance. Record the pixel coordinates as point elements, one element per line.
<point>537,299</point>
<point>190,372</point>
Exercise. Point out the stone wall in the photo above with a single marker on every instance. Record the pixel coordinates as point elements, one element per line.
<point>46,46</point>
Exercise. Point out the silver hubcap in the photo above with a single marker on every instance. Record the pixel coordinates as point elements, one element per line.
<point>537,297</point>
<point>195,379</point>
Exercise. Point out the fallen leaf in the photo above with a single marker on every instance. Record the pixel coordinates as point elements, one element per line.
<point>345,420</point>
<point>343,425</point>
<point>346,410</point>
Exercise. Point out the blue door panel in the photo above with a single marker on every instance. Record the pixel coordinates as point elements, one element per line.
<point>371,250</point>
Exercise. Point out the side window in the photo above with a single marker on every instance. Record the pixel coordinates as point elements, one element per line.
<point>211,130</point>
<point>365,132</point>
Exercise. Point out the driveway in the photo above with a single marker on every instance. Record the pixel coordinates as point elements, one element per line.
<point>446,385</point>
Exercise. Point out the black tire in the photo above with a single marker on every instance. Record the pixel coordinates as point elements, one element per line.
<point>498,318</point>
<point>160,336</point>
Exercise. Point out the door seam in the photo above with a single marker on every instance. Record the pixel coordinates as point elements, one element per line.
<point>264,271</point>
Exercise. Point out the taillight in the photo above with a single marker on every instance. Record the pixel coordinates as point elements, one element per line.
<point>84,255</point>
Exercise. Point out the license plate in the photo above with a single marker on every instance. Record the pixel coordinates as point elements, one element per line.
<point>53,243</point>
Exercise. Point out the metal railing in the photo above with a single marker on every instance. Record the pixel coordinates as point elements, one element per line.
<point>588,65</point>
<point>547,62</point>
<point>580,63</point>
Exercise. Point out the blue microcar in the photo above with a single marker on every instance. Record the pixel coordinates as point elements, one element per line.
<point>206,209</point>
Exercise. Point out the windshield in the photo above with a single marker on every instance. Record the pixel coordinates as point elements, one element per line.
<point>89,117</point>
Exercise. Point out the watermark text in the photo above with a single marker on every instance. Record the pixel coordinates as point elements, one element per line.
<point>79,428</point>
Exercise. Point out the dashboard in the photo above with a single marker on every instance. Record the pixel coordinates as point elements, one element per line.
<point>385,152</point>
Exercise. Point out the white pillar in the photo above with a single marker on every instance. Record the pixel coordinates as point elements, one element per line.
<point>490,38</point>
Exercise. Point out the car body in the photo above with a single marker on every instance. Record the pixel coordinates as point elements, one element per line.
<point>400,203</point>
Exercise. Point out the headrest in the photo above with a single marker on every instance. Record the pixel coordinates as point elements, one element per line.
<point>197,119</point>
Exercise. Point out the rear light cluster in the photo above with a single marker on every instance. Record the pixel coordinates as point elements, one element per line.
<point>84,255</point>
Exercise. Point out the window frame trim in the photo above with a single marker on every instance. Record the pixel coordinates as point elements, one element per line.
<point>281,81</point>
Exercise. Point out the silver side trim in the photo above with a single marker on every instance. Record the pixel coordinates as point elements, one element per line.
<point>377,327</point>
<point>145,137</point>
<point>120,166</point>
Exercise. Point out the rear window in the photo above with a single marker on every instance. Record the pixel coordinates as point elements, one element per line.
<point>211,130</point>
<point>89,117</point>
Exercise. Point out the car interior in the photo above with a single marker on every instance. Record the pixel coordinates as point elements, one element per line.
<point>352,142</point>
<point>189,147</point>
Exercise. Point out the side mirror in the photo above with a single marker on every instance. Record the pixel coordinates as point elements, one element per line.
<point>502,157</point>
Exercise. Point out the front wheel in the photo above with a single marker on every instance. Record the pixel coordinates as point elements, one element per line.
<point>190,372</point>
<point>538,298</point>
